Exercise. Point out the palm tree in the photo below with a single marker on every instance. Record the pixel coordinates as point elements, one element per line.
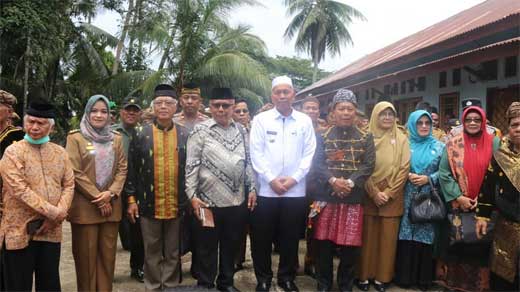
<point>320,26</point>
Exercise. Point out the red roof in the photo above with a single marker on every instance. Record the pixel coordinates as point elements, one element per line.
<point>462,23</point>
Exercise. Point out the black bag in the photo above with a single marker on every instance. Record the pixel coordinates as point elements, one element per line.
<point>463,227</point>
<point>427,207</point>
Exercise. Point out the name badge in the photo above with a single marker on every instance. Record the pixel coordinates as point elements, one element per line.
<point>271,133</point>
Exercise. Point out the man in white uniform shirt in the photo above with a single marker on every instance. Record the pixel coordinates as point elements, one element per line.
<point>282,146</point>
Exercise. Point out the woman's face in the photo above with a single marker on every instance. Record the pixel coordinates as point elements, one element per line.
<point>386,119</point>
<point>99,115</point>
<point>514,131</point>
<point>473,123</point>
<point>424,126</point>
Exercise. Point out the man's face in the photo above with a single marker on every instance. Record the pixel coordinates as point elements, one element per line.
<point>5,112</point>
<point>344,114</point>
<point>435,120</point>
<point>190,102</point>
<point>282,96</point>
<point>241,113</point>
<point>514,131</point>
<point>222,110</point>
<point>130,115</point>
<point>312,109</point>
<point>37,128</point>
<point>164,107</point>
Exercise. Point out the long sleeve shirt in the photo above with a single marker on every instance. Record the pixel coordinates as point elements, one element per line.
<point>38,184</point>
<point>218,170</point>
<point>282,146</point>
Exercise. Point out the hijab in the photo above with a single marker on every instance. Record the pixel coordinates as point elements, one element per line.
<point>469,155</point>
<point>387,143</point>
<point>424,149</point>
<point>100,140</point>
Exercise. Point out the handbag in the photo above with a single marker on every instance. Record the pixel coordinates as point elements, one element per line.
<point>427,207</point>
<point>463,227</point>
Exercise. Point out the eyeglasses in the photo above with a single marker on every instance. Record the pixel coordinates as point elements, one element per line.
<point>423,123</point>
<point>239,111</point>
<point>473,120</point>
<point>224,106</point>
<point>165,102</point>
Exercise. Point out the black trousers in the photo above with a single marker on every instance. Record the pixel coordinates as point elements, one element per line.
<point>41,258</point>
<point>124,232</point>
<point>348,256</point>
<point>216,247</point>
<point>285,215</point>
<point>136,246</point>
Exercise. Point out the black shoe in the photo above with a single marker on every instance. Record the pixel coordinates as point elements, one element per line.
<point>288,286</point>
<point>380,287</point>
<point>363,286</point>
<point>228,289</point>
<point>138,275</point>
<point>263,286</point>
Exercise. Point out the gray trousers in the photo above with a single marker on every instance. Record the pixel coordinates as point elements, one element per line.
<point>161,252</point>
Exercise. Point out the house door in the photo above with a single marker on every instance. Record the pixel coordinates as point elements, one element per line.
<point>449,108</point>
<point>498,101</point>
<point>404,107</point>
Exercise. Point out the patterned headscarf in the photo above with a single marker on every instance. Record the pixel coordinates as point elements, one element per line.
<point>513,111</point>
<point>344,95</point>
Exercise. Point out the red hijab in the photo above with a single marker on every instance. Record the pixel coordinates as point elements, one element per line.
<point>477,153</point>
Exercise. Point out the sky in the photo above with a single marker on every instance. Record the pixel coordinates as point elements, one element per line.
<point>387,22</point>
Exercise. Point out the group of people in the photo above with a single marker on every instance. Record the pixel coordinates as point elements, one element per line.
<point>189,182</point>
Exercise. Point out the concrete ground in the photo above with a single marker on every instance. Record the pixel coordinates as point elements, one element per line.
<point>244,279</point>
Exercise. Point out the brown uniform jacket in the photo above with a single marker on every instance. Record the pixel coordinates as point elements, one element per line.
<point>83,163</point>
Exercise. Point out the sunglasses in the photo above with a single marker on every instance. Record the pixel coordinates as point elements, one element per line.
<point>221,105</point>
<point>238,111</point>
<point>475,120</point>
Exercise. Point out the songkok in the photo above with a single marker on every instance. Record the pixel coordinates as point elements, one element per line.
<point>513,111</point>
<point>164,90</point>
<point>131,101</point>
<point>41,109</point>
<point>471,102</point>
<point>281,80</point>
<point>221,93</point>
<point>7,98</point>
<point>190,88</point>
<point>344,95</point>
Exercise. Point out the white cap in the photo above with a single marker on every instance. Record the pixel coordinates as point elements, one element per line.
<point>281,80</point>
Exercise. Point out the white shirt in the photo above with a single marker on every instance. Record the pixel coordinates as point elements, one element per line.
<point>282,146</point>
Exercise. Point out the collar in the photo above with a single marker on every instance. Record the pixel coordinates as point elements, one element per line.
<point>161,127</point>
<point>212,123</point>
<point>278,115</point>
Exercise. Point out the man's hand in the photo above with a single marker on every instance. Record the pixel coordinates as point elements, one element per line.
<point>251,201</point>
<point>481,228</point>
<point>46,226</point>
<point>102,199</point>
<point>278,186</point>
<point>341,187</point>
<point>132,212</point>
<point>288,182</point>
<point>380,199</point>
<point>196,204</point>
<point>466,203</point>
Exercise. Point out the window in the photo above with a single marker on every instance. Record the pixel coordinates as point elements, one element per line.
<point>395,89</point>
<point>511,67</point>
<point>387,89</point>
<point>490,70</point>
<point>411,85</point>
<point>403,87</point>
<point>367,94</point>
<point>455,78</point>
<point>443,76</point>
<point>421,83</point>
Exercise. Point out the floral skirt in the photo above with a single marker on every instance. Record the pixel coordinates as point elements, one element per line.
<point>340,223</point>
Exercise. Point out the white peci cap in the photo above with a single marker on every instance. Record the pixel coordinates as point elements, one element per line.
<point>281,80</point>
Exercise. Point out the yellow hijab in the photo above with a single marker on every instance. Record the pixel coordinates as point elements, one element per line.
<point>389,147</point>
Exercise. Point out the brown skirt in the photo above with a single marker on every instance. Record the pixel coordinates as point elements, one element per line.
<point>505,250</point>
